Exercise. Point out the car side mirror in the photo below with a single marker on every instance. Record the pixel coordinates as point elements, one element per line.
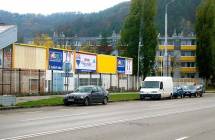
<point>161,85</point>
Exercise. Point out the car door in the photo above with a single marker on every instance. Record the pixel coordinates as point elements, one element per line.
<point>100,94</point>
<point>94,94</point>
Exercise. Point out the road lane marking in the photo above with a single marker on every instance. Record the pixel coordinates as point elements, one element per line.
<point>53,117</point>
<point>85,126</point>
<point>33,112</point>
<point>182,138</point>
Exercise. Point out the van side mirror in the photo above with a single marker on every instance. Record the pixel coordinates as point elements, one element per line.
<point>161,85</point>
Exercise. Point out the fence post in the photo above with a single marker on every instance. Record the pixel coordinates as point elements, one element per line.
<point>100,79</point>
<point>127,83</point>
<point>52,82</point>
<point>39,81</point>
<point>20,81</point>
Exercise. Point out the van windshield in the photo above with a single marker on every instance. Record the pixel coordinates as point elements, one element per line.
<point>151,84</point>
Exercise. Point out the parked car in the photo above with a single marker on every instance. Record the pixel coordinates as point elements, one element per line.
<point>178,92</point>
<point>190,91</point>
<point>157,88</point>
<point>87,95</point>
<point>200,90</point>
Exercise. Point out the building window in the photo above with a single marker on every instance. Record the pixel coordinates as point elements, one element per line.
<point>188,53</point>
<point>188,64</point>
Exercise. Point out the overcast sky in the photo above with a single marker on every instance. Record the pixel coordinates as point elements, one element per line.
<point>53,6</point>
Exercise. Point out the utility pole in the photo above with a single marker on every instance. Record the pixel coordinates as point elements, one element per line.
<point>165,57</point>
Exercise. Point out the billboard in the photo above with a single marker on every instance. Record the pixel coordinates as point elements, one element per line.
<point>106,64</point>
<point>121,65</point>
<point>1,58</point>
<point>28,57</point>
<point>129,66</point>
<point>68,61</point>
<point>7,57</point>
<point>85,62</point>
<point>55,59</point>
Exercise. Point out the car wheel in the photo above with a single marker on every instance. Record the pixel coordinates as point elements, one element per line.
<point>201,94</point>
<point>190,95</point>
<point>105,101</point>
<point>171,97</point>
<point>86,102</point>
<point>66,103</point>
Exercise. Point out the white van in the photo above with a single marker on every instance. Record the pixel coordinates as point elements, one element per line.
<point>157,87</point>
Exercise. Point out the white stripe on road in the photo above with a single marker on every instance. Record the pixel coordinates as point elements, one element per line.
<point>53,117</point>
<point>182,138</point>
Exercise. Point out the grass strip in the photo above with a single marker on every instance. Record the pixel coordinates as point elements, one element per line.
<point>56,101</point>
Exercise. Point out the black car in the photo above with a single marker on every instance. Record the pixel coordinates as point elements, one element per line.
<point>190,91</point>
<point>178,92</point>
<point>87,95</point>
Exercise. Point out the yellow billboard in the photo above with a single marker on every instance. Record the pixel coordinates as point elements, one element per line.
<point>29,57</point>
<point>106,64</point>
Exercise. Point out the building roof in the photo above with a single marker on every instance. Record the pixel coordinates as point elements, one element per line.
<point>8,35</point>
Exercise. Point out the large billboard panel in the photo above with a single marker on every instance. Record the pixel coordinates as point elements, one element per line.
<point>1,58</point>
<point>129,66</point>
<point>85,62</point>
<point>55,59</point>
<point>7,57</point>
<point>28,57</point>
<point>121,65</point>
<point>106,64</point>
<point>68,61</point>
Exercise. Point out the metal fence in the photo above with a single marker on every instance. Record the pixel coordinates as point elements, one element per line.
<point>35,82</point>
<point>21,82</point>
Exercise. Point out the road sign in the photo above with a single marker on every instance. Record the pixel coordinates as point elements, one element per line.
<point>66,74</point>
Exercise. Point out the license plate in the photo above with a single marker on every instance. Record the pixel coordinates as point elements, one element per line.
<point>71,100</point>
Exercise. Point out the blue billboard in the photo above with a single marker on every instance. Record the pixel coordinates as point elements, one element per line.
<point>121,65</point>
<point>55,59</point>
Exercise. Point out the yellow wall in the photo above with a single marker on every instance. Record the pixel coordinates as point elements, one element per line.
<point>28,57</point>
<point>106,64</point>
<point>188,59</point>
<point>188,47</point>
<point>189,69</point>
<point>169,47</point>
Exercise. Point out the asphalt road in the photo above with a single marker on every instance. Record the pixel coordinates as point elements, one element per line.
<point>179,119</point>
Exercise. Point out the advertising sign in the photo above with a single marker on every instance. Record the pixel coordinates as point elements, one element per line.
<point>85,62</point>
<point>55,59</point>
<point>1,59</point>
<point>106,64</point>
<point>129,66</point>
<point>7,57</point>
<point>121,65</point>
<point>68,58</point>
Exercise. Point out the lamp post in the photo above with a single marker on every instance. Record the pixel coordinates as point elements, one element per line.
<point>138,64</point>
<point>165,58</point>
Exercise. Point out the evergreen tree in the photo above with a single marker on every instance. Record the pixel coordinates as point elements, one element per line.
<point>140,26</point>
<point>205,31</point>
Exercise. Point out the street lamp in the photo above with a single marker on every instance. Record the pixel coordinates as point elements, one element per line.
<point>165,58</point>
<point>138,64</point>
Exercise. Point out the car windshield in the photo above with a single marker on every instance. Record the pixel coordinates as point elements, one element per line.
<point>175,89</point>
<point>151,84</point>
<point>84,89</point>
<point>192,87</point>
<point>185,88</point>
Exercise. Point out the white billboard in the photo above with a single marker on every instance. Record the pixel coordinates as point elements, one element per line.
<point>85,62</point>
<point>129,66</point>
<point>68,57</point>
